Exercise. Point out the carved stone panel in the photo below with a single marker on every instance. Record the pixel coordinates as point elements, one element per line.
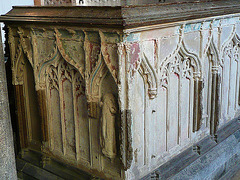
<point>230,76</point>
<point>180,80</point>
<point>212,89</point>
<point>120,103</point>
<point>65,74</point>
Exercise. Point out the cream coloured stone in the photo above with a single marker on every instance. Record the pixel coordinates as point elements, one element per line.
<point>107,136</point>
<point>124,104</point>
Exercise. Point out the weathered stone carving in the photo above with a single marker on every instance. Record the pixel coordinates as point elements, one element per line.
<point>108,137</point>
<point>149,75</point>
<point>126,114</point>
<point>109,51</point>
<point>68,70</point>
<point>126,139</point>
<point>229,69</point>
<point>197,107</point>
<point>213,88</point>
<point>25,43</point>
<point>185,65</point>
<point>71,48</point>
<point>133,55</point>
<point>17,55</point>
<point>154,75</point>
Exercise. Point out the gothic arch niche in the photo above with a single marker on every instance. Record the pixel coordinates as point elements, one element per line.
<point>180,99</point>
<point>67,113</point>
<point>108,86</point>
<point>33,119</point>
<point>230,78</point>
<point>28,114</point>
<point>145,90</point>
<point>212,89</point>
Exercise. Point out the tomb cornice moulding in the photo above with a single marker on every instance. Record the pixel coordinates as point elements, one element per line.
<point>212,19</point>
<point>121,16</point>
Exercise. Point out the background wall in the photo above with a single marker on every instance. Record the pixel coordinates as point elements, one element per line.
<point>6,6</point>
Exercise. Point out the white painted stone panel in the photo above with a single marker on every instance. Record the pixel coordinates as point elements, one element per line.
<point>185,111</point>
<point>192,42</point>
<point>198,52</point>
<point>161,122</point>
<point>167,47</point>
<point>139,121</point>
<point>173,111</point>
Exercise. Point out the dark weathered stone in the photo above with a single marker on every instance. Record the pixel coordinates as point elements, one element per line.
<point>43,166</point>
<point>35,172</point>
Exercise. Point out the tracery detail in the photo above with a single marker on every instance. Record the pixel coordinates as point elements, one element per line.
<point>184,67</point>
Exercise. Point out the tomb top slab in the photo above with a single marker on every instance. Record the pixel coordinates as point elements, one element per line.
<point>126,15</point>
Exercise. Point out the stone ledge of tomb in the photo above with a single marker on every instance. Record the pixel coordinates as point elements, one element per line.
<point>121,16</point>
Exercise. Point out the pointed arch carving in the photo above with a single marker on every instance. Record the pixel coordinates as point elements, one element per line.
<point>213,53</point>
<point>213,89</point>
<point>184,65</point>
<point>149,75</point>
<point>67,108</point>
<point>54,58</point>
<point>78,65</point>
<point>68,89</point>
<point>26,45</point>
<point>226,43</point>
<point>109,53</point>
<point>188,60</point>
<point>18,66</point>
<point>230,48</point>
<point>230,67</point>
<point>94,79</point>
<point>42,68</point>
<point>19,52</point>
<point>93,84</point>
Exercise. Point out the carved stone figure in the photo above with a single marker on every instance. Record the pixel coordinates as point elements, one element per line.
<point>107,136</point>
